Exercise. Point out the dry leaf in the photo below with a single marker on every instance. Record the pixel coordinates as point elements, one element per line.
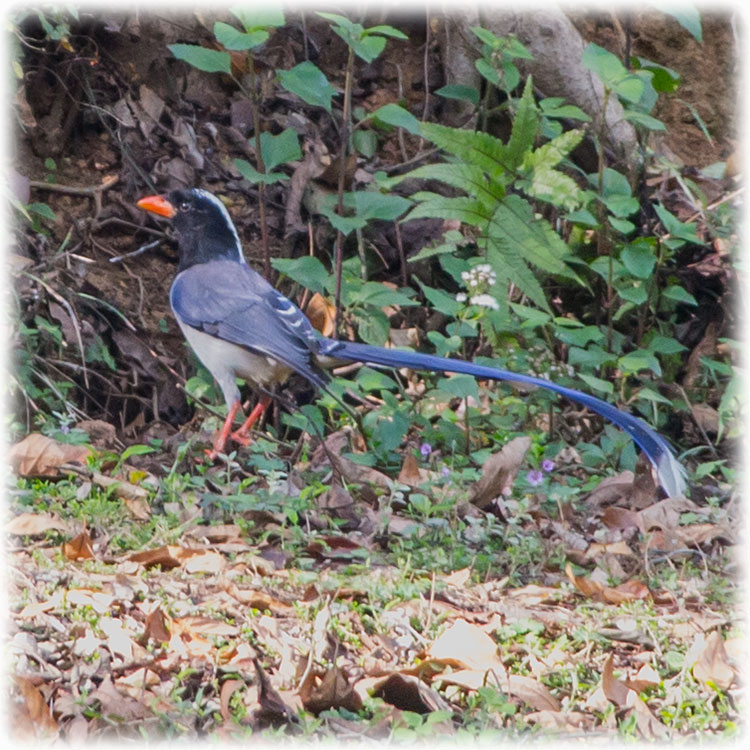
<point>532,692</point>
<point>498,471</point>
<point>228,689</point>
<point>79,548</point>
<point>40,456</point>
<point>624,592</point>
<point>37,710</point>
<point>332,692</point>
<point>616,690</point>
<point>321,312</point>
<point>411,474</point>
<point>712,666</point>
<point>206,562</point>
<point>465,646</point>
<point>156,627</point>
<point>33,524</point>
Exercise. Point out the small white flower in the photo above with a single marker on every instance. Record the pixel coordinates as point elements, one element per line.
<point>465,275</point>
<point>485,300</point>
<point>460,297</point>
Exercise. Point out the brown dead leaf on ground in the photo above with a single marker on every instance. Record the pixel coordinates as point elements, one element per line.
<point>625,592</point>
<point>170,556</point>
<point>40,456</point>
<point>711,664</point>
<point>622,695</point>
<point>499,471</point>
<point>412,474</point>
<point>34,524</point>
<point>332,691</point>
<point>79,548</point>
<point>573,721</point>
<point>36,719</point>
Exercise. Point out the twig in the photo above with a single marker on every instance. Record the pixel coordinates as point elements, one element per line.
<point>94,191</point>
<point>73,319</point>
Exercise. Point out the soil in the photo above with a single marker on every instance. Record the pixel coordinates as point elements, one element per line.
<point>113,105</point>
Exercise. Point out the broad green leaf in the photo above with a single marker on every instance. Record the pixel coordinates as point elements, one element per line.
<point>251,174</point>
<point>398,117</point>
<point>665,345</point>
<point>306,270</point>
<point>621,205</point>
<point>641,118</point>
<point>460,92</point>
<point>487,71</point>
<point>380,295</point>
<point>675,227</point>
<point>584,217</point>
<point>208,60</point>
<point>231,38</point>
<point>678,294</point>
<point>43,210</point>
<point>309,83</point>
<point>370,204</point>
<point>441,301</point>
<point>639,259</point>
<point>612,73</point>
<point>639,360</point>
<point>603,386</point>
<point>459,386</point>
<point>373,327</point>
<point>580,336</point>
<point>623,226</point>
<point>632,291</point>
<point>687,15</point>
<point>365,142</point>
<point>279,149</point>
<point>255,16</point>
<point>386,31</point>
<point>553,107</point>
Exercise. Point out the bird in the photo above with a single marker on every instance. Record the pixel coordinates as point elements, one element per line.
<point>240,326</point>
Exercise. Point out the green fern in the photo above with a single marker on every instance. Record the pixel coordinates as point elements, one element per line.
<point>512,236</point>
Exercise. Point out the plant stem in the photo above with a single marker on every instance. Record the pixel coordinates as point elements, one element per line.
<point>343,151</point>
<point>255,106</point>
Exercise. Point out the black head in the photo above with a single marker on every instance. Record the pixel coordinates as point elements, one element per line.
<point>204,228</point>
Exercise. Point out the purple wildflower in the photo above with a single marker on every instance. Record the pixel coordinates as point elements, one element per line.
<point>548,465</point>
<point>445,471</point>
<point>425,449</point>
<point>535,477</point>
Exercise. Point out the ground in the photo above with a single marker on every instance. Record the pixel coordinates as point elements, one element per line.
<point>295,590</point>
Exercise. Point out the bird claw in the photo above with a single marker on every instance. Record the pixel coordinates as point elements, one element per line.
<point>240,437</point>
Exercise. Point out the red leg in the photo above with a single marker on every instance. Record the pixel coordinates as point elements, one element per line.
<point>221,440</point>
<point>241,435</point>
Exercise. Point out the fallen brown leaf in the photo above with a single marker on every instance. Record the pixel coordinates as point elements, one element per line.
<point>33,524</point>
<point>411,474</point>
<point>38,712</point>
<point>712,666</point>
<point>40,456</point>
<point>79,548</point>
<point>498,471</point>
<point>321,312</point>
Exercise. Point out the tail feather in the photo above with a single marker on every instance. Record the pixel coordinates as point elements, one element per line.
<point>670,472</point>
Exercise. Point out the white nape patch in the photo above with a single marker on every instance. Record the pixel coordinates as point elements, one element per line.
<point>210,197</point>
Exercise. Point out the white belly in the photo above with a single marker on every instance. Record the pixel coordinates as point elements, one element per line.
<point>227,361</point>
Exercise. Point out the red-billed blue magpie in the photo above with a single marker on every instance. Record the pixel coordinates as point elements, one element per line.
<point>240,326</point>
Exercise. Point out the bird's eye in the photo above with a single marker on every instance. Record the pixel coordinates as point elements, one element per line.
<point>184,206</point>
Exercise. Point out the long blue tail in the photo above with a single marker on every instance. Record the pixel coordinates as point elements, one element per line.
<point>670,472</point>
